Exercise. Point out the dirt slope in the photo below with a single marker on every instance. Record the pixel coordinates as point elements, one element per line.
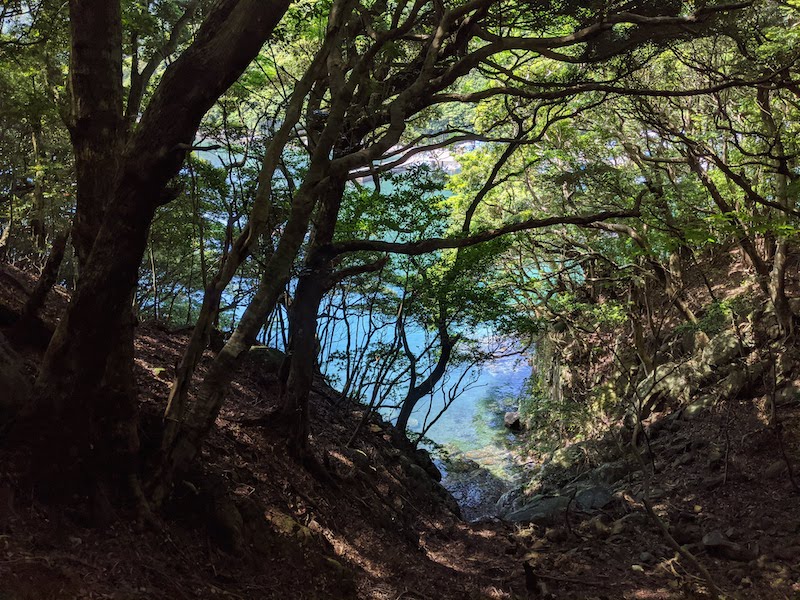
<point>250,523</point>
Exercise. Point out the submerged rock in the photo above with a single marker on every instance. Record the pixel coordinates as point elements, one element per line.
<point>512,421</point>
<point>461,464</point>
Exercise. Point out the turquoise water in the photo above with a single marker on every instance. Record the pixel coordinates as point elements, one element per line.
<point>473,424</point>
<point>471,428</point>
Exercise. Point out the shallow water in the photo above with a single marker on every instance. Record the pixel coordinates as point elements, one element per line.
<point>472,430</point>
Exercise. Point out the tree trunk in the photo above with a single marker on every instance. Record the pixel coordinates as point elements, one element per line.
<point>777,276</point>
<point>314,281</point>
<point>187,435</point>
<point>45,283</point>
<point>293,414</point>
<point>38,226</point>
<point>416,393</point>
<point>97,121</point>
<point>92,349</point>
<point>5,236</point>
<point>262,219</point>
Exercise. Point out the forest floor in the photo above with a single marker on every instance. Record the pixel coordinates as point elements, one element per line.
<point>380,527</point>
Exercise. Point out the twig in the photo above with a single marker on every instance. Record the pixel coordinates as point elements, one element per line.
<point>777,427</point>
<point>413,592</point>
<point>570,580</point>
<point>566,511</point>
<point>715,591</point>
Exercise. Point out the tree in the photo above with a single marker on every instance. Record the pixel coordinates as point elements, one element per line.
<point>369,96</point>
<point>122,177</point>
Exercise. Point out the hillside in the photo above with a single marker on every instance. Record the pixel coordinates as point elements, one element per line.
<point>373,523</point>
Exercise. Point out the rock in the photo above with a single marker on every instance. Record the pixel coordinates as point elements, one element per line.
<point>286,525</point>
<point>788,394</point>
<point>689,342</point>
<point>599,526</point>
<point>441,496</point>
<point>715,458</point>
<point>618,527</point>
<point>646,558</point>
<point>461,464</point>
<point>722,349</point>
<point>717,544</point>
<point>734,383</point>
<point>669,381</point>
<point>556,534</point>
<point>426,462</point>
<point>268,359</point>
<point>714,481</point>
<point>509,501</point>
<point>512,421</point>
<point>697,408</point>
<point>541,510</point>
<point>610,473</point>
<point>593,498</point>
<point>683,459</point>
<point>775,469</point>
<point>418,474</point>
<point>226,526</point>
<point>686,533</point>
<point>15,386</point>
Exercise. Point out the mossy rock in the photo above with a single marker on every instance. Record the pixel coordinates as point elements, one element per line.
<point>270,359</point>
<point>286,525</point>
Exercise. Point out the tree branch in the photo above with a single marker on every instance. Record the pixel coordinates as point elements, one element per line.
<point>433,244</point>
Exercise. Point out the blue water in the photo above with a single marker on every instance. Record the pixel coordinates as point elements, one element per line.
<point>475,419</point>
<point>477,395</point>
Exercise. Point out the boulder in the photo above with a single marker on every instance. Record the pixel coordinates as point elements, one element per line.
<point>593,498</point>
<point>719,545</point>
<point>510,501</point>
<point>788,394</point>
<point>697,408</point>
<point>722,349</point>
<point>541,510</point>
<point>424,460</point>
<point>268,359</point>
<point>610,473</point>
<point>512,421</point>
<point>673,382</point>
